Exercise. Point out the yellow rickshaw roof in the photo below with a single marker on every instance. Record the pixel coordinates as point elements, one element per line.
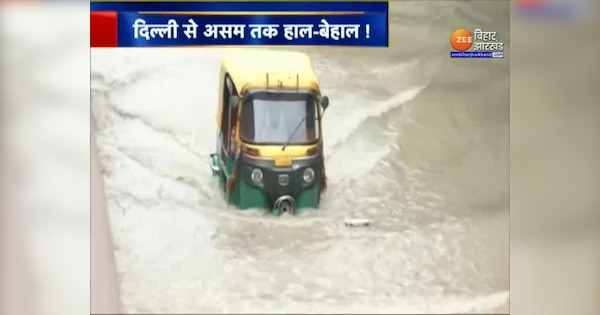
<point>249,68</point>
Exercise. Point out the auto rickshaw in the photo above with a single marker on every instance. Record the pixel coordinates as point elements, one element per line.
<point>269,151</point>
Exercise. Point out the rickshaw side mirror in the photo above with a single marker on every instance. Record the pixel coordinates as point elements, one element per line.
<point>233,101</point>
<point>325,102</point>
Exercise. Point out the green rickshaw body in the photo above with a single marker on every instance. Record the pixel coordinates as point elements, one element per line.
<point>269,139</point>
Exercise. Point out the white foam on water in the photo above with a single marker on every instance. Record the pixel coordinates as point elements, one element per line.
<point>158,126</point>
<point>402,305</point>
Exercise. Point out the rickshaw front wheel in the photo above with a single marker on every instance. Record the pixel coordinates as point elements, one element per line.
<point>285,204</point>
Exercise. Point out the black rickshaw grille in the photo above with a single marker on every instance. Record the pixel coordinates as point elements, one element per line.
<point>272,182</point>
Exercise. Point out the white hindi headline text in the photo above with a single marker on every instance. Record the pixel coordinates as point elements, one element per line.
<point>191,30</point>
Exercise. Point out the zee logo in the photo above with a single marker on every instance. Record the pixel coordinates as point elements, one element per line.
<point>461,39</point>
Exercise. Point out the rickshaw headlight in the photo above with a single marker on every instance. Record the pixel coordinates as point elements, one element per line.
<point>257,176</point>
<point>309,175</point>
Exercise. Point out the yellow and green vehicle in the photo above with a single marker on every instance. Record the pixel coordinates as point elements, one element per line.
<point>269,136</point>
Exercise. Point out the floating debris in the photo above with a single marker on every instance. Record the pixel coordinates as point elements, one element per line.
<point>357,222</point>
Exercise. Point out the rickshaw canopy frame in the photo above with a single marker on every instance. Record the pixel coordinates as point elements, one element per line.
<point>270,70</point>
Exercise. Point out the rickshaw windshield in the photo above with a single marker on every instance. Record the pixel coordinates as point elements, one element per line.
<point>271,118</point>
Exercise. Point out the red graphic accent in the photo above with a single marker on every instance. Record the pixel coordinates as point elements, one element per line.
<point>530,3</point>
<point>103,29</point>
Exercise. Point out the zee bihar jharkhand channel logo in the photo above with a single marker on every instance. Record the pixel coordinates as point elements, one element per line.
<point>478,44</point>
